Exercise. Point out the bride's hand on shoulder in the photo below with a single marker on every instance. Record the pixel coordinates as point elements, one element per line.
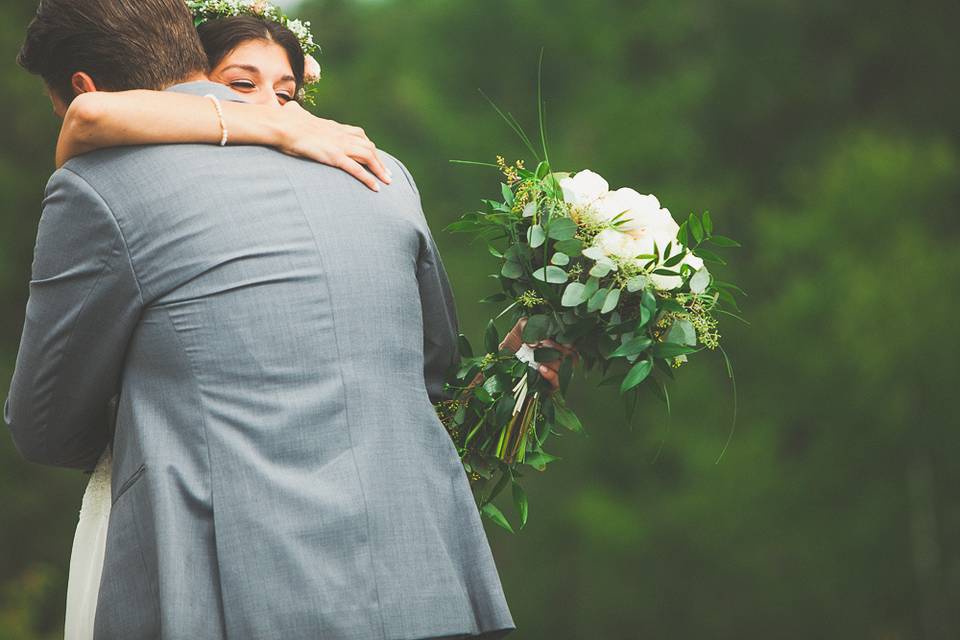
<point>344,146</point>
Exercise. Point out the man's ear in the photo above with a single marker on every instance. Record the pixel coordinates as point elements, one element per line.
<point>81,82</point>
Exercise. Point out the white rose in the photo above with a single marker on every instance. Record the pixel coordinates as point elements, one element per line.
<point>641,210</point>
<point>665,227</point>
<point>621,245</point>
<point>642,218</point>
<point>583,188</point>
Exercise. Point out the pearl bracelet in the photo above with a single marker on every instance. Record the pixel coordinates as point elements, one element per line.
<point>223,124</point>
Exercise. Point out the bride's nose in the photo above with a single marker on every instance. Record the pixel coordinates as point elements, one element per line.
<point>273,100</point>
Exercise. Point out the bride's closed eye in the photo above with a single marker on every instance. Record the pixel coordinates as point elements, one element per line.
<point>249,86</point>
<point>243,85</point>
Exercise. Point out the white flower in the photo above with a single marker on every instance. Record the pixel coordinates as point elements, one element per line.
<point>640,212</point>
<point>583,188</point>
<point>640,215</point>
<point>622,245</point>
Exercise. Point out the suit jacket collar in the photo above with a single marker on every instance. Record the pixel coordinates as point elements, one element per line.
<point>204,87</point>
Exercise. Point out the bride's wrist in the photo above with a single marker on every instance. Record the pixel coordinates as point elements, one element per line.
<point>256,124</point>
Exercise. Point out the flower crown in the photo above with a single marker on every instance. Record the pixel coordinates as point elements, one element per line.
<point>204,10</point>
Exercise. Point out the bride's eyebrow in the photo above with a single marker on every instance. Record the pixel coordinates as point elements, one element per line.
<point>252,69</point>
<point>244,67</point>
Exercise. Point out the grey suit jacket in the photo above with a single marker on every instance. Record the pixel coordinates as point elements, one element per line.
<point>276,332</point>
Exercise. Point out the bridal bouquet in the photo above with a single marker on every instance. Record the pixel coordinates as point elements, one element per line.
<point>608,271</point>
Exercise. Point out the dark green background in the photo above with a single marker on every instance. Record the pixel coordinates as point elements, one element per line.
<point>824,136</point>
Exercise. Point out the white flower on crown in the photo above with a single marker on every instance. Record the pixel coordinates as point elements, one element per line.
<point>311,69</point>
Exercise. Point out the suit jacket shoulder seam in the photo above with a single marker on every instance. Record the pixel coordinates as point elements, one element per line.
<point>116,222</point>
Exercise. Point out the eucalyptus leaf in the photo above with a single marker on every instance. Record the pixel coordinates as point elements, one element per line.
<point>560,258</point>
<point>599,270</point>
<point>535,236</point>
<point>562,229</point>
<point>700,280</point>
<point>638,282</point>
<point>610,301</point>
<point>682,332</point>
<point>594,253</point>
<point>551,274</point>
<point>575,293</point>
<point>597,299</point>
<point>511,269</point>
<point>570,247</point>
<point>591,287</point>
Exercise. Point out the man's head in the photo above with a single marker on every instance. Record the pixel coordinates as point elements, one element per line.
<point>111,45</point>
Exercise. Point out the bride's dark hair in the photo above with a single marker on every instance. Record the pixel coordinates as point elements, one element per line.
<point>222,35</point>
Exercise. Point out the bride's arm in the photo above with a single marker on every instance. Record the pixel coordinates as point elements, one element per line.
<point>107,119</point>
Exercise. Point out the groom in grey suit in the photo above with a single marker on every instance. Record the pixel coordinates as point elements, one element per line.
<point>277,333</point>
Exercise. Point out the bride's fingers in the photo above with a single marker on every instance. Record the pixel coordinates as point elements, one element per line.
<point>357,131</point>
<point>372,160</point>
<point>355,169</point>
<point>550,375</point>
<point>562,348</point>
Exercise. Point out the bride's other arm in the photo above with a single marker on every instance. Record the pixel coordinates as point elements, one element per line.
<point>108,119</point>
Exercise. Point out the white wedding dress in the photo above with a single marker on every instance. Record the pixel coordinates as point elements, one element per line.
<point>86,558</point>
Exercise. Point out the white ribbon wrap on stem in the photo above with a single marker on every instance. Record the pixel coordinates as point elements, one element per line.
<point>525,354</point>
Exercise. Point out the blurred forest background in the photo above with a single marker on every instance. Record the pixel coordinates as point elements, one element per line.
<point>824,136</point>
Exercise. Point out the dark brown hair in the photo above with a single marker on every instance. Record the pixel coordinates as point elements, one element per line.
<point>122,44</point>
<point>221,36</point>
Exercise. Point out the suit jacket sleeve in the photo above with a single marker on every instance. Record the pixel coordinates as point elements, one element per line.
<point>440,324</point>
<point>83,306</point>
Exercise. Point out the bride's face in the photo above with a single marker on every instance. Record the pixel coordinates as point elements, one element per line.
<point>260,70</point>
